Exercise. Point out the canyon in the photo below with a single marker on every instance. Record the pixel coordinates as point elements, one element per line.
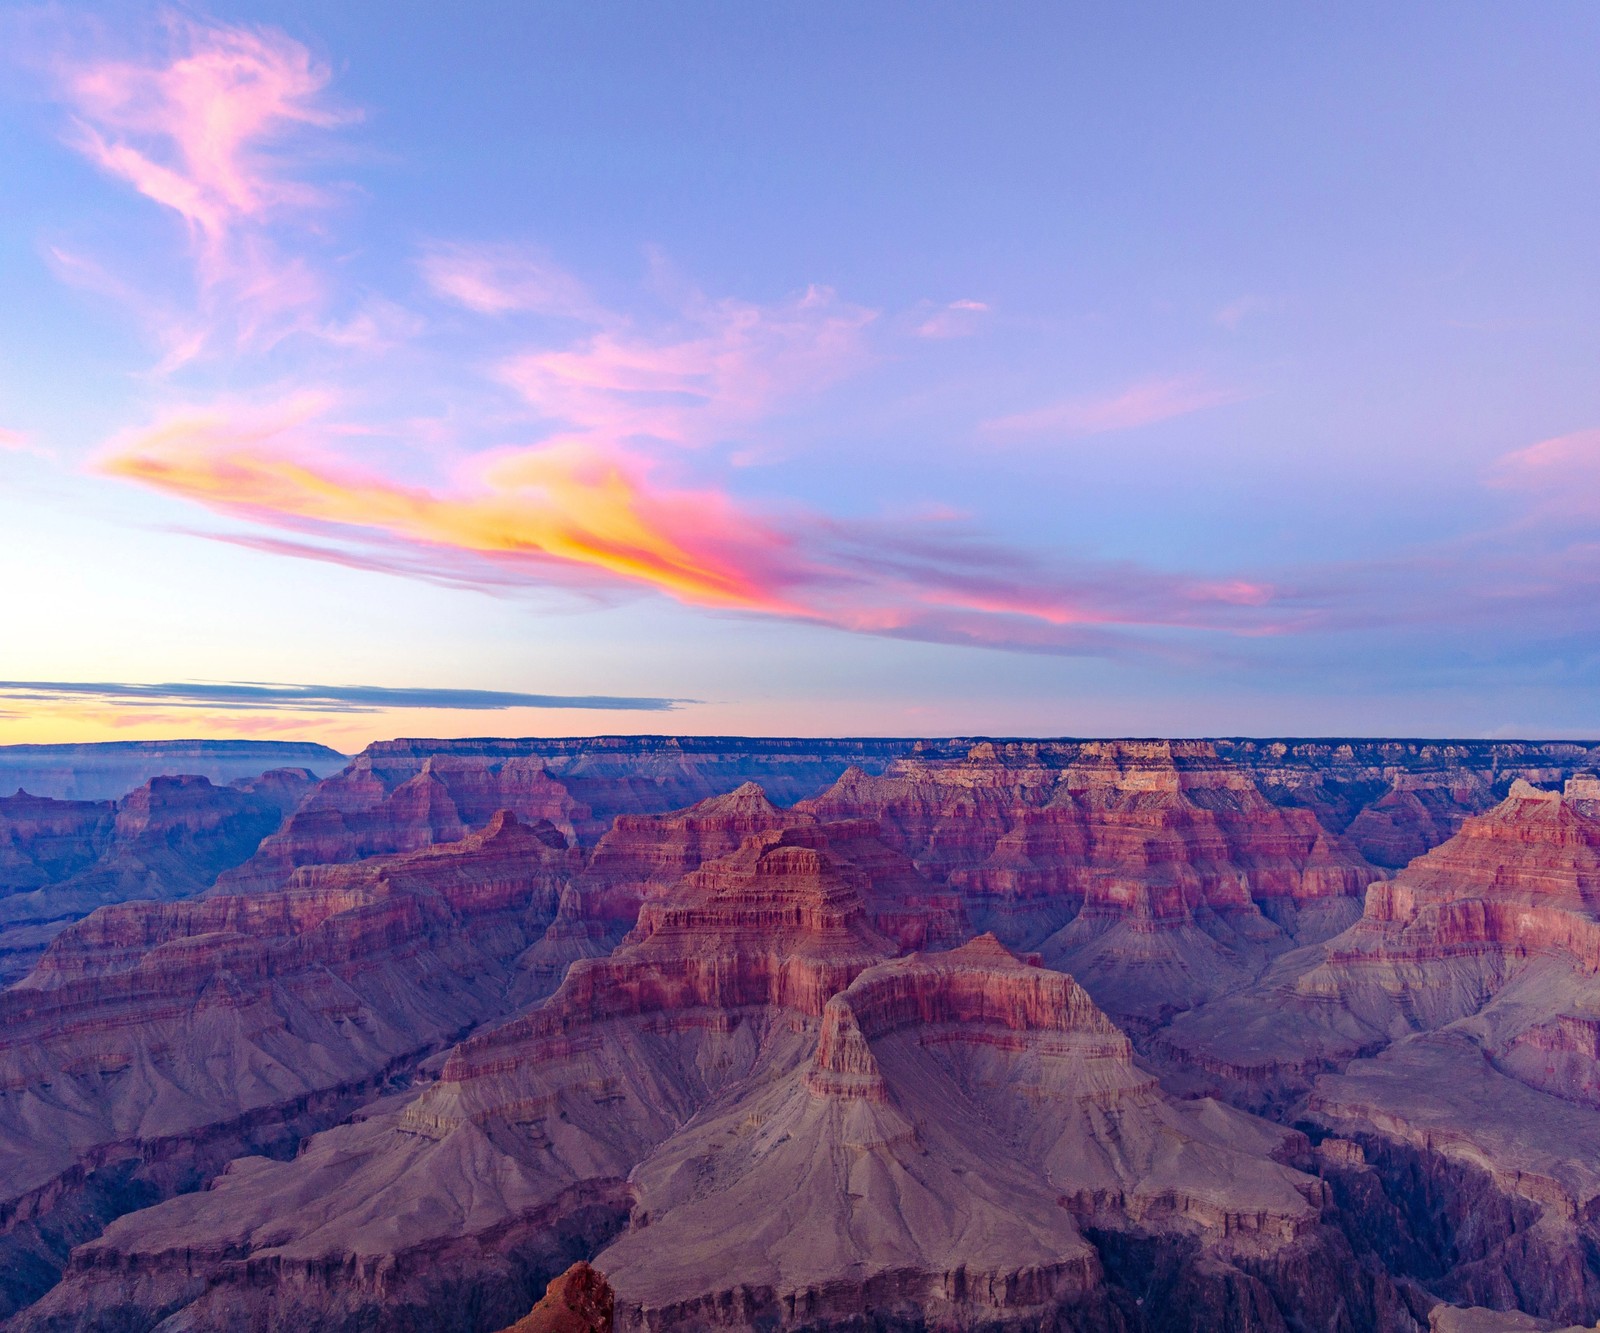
<point>1080,1034</point>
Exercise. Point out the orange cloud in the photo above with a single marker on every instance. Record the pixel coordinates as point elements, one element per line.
<point>566,502</point>
<point>1141,404</point>
<point>572,510</point>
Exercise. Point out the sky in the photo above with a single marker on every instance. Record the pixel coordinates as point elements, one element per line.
<point>799,369</point>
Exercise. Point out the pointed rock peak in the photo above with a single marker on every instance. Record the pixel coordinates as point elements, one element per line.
<point>502,821</point>
<point>986,948</point>
<point>579,1301</point>
<point>504,827</point>
<point>749,799</point>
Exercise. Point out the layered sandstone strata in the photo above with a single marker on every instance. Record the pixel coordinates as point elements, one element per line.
<point>783,1124</point>
<point>1451,1033</point>
<point>1154,872</point>
<point>170,838</point>
<point>155,1040</point>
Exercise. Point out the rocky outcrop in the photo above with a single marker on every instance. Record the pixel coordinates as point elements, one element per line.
<point>152,1031</point>
<point>1450,1033</point>
<point>170,838</point>
<point>374,809</point>
<point>400,795</point>
<point>1154,872</point>
<point>579,1301</point>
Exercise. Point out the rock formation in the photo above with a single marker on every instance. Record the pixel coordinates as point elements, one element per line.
<point>938,1136</point>
<point>154,1041</point>
<point>1451,1035</point>
<point>579,1301</point>
<point>415,1058</point>
<point>170,838</point>
<point>1154,872</point>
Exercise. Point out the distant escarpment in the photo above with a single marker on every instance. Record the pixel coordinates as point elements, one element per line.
<point>104,770</point>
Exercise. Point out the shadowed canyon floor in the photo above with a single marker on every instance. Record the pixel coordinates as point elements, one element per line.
<point>1081,1035</point>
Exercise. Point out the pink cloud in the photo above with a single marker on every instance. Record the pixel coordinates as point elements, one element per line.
<point>18,442</point>
<point>958,319</point>
<point>1140,404</point>
<point>1232,315</point>
<point>572,513</point>
<point>501,279</point>
<point>193,132</point>
<point>1562,473</point>
<point>718,368</point>
<point>205,130</point>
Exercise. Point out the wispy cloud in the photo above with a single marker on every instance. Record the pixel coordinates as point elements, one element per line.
<point>958,319</point>
<point>1232,315</point>
<point>249,696</point>
<point>194,131</point>
<point>1562,474</point>
<point>573,510</point>
<point>18,442</point>
<point>715,369</point>
<point>507,279</point>
<point>1141,404</point>
<point>207,129</point>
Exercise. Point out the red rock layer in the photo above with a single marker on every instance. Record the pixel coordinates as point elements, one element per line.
<point>1499,925</point>
<point>642,856</point>
<point>785,920</point>
<point>150,1022</point>
<point>374,809</point>
<point>168,839</point>
<point>1156,827</point>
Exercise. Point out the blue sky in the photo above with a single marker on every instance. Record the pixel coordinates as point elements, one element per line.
<point>1023,369</point>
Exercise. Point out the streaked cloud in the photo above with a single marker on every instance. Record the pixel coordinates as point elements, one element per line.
<point>506,279</point>
<point>573,512</point>
<point>1143,403</point>
<point>248,696</point>
<point>716,368</point>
